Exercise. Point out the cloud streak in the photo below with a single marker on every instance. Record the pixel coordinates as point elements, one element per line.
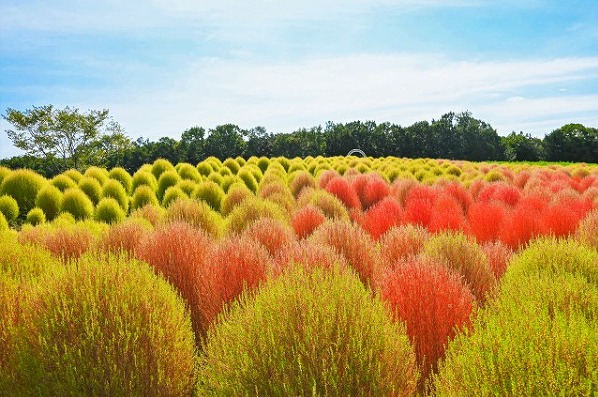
<point>400,88</point>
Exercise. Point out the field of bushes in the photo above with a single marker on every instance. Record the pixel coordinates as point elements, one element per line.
<point>337,276</point>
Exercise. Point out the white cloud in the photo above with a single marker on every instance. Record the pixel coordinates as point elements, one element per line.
<point>397,88</point>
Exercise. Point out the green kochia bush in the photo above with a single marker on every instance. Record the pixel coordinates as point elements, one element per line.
<point>36,216</point>
<point>108,327</point>
<point>9,207</point>
<point>77,204</point>
<point>49,198</point>
<point>108,210</point>
<point>121,175</point>
<point>92,188</point>
<point>143,196</point>
<point>167,179</point>
<point>308,333</point>
<point>23,186</point>
<point>114,189</point>
<point>538,336</point>
<point>3,223</point>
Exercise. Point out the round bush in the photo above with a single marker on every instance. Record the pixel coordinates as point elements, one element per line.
<point>121,175</point>
<point>232,165</point>
<point>113,189</point>
<point>9,208</point>
<point>433,303</point>
<point>467,258</point>
<point>250,210</point>
<point>538,336</point>
<point>248,179</point>
<point>204,168</point>
<point>315,332</point>
<point>142,196</point>
<point>3,222</point>
<point>92,188</point>
<point>160,166</point>
<point>167,179</point>
<point>172,194</point>
<point>109,210</point>
<point>198,214</point>
<point>23,186</point>
<point>63,182</point>
<point>106,327</point>
<point>100,174</point>
<point>144,178</point>
<point>187,186</point>
<point>36,216</point>
<point>3,173</point>
<point>236,194</point>
<point>74,174</point>
<point>211,193</point>
<point>188,172</point>
<point>48,199</point>
<point>75,202</point>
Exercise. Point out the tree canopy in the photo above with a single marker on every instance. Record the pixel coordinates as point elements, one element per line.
<point>66,138</point>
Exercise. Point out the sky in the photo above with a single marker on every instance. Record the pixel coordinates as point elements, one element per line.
<point>163,66</point>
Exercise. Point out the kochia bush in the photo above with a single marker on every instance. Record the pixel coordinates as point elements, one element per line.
<point>538,336</point>
<point>9,208</point>
<point>109,211</point>
<point>434,304</point>
<point>105,327</point>
<point>316,332</point>
<point>75,202</point>
<point>92,188</point>
<point>23,186</point>
<point>48,199</point>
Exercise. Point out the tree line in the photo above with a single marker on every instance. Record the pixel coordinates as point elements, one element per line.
<point>58,139</point>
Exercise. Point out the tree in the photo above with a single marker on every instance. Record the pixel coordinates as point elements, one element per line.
<point>191,146</point>
<point>225,141</point>
<point>64,137</point>
<point>522,147</point>
<point>572,142</point>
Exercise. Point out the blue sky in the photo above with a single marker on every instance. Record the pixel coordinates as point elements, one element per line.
<point>162,66</point>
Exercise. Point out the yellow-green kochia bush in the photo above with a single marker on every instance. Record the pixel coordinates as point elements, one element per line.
<point>143,196</point>
<point>92,188</point>
<point>211,193</point>
<point>109,211</point>
<point>121,175</point>
<point>167,179</point>
<point>75,202</point>
<point>114,189</point>
<point>312,332</point>
<point>105,327</point>
<point>48,199</point>
<point>3,222</point>
<point>36,216</point>
<point>9,207</point>
<point>538,336</point>
<point>23,185</point>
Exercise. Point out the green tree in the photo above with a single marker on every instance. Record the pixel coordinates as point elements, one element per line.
<point>65,138</point>
<point>191,146</point>
<point>225,141</point>
<point>572,142</point>
<point>522,147</point>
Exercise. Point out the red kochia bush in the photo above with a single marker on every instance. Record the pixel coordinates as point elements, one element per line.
<point>370,188</point>
<point>486,220</point>
<point>523,223</point>
<point>341,188</point>
<point>272,234</point>
<point>447,214</point>
<point>235,264</point>
<point>179,252</point>
<point>433,303</point>
<point>382,216</point>
<point>306,219</point>
<point>309,254</point>
<point>353,243</point>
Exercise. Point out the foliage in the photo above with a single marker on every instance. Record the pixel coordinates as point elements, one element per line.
<point>315,332</point>
<point>105,327</point>
<point>75,202</point>
<point>23,185</point>
<point>109,211</point>
<point>65,138</point>
<point>9,208</point>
